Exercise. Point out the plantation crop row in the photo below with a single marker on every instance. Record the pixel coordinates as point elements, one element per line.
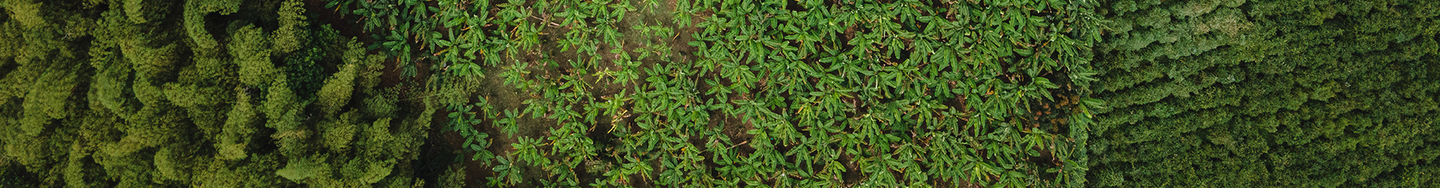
<point>1268,93</point>
<point>772,93</point>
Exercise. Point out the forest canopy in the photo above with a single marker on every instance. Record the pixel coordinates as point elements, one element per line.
<point>224,93</point>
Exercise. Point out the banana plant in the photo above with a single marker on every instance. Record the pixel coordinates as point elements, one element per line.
<point>906,93</point>
<point>462,120</point>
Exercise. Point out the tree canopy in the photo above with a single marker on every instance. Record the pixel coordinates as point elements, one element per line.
<point>144,93</point>
<point>1268,93</point>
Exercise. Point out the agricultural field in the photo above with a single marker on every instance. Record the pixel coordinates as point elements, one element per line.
<point>719,93</point>
<point>750,93</point>
<point>1268,93</point>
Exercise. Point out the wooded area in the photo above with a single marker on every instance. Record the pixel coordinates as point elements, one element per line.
<point>719,93</point>
<point>1207,93</point>
<point>199,93</point>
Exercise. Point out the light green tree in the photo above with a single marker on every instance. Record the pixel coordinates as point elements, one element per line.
<point>194,15</point>
<point>239,125</point>
<point>336,92</point>
<point>292,33</point>
<point>251,50</point>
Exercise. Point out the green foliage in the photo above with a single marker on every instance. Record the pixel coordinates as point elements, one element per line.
<point>49,97</point>
<point>26,12</point>
<point>305,168</point>
<point>710,93</point>
<point>463,122</point>
<point>194,15</point>
<point>125,93</point>
<point>291,34</point>
<point>11,35</point>
<point>453,177</point>
<point>252,53</point>
<point>239,126</point>
<point>772,94</point>
<point>336,92</point>
<point>399,26</point>
<point>303,73</point>
<point>141,11</point>
<point>282,108</point>
<point>376,135</point>
<point>379,106</point>
<point>1267,94</point>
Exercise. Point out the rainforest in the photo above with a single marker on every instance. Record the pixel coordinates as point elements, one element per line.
<point>719,93</point>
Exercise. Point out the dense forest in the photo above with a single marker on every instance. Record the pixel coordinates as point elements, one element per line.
<point>719,93</point>
<point>1268,93</point>
<point>199,93</point>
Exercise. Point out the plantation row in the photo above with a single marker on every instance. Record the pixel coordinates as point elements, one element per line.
<point>710,93</point>
<point>1268,93</point>
<point>767,93</point>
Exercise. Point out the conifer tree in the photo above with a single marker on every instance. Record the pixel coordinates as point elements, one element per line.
<point>251,50</point>
<point>194,15</point>
<point>17,83</point>
<point>48,98</point>
<point>111,83</point>
<point>292,34</point>
<point>10,35</point>
<point>337,89</point>
<point>239,126</point>
<point>26,12</point>
<point>340,131</point>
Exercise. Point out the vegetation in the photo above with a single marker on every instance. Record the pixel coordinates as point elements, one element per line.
<point>718,93</point>
<point>196,93</point>
<point>1267,93</point>
<point>770,93</point>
